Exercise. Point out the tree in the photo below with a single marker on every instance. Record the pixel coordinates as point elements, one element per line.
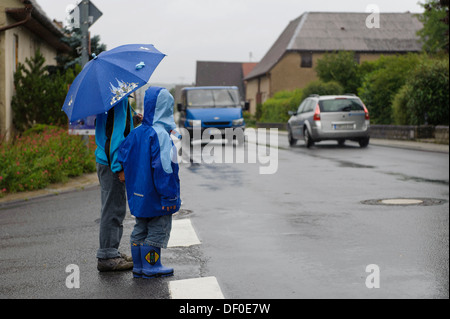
<point>340,67</point>
<point>66,61</point>
<point>40,94</point>
<point>435,19</point>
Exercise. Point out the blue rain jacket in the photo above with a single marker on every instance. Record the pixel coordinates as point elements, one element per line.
<point>111,129</point>
<point>149,159</point>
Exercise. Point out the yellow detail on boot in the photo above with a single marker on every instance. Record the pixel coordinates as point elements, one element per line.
<point>152,257</point>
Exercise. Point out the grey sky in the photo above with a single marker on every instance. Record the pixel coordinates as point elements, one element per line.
<point>207,30</point>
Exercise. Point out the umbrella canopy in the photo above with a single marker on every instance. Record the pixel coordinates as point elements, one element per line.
<point>109,78</point>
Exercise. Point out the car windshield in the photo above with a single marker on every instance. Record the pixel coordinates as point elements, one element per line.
<point>341,105</point>
<point>213,98</point>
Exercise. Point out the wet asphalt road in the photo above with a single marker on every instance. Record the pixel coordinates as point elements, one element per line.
<point>303,232</point>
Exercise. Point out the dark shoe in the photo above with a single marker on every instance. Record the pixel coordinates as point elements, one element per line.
<point>127,258</point>
<point>114,264</point>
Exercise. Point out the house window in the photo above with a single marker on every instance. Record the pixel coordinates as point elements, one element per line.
<point>16,52</point>
<point>307,61</point>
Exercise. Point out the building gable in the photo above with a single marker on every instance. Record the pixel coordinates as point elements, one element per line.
<point>329,31</point>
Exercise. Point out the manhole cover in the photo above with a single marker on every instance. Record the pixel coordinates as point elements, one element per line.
<point>405,202</point>
<point>402,201</point>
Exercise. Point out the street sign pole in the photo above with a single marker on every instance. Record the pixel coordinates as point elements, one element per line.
<point>88,15</point>
<point>84,27</point>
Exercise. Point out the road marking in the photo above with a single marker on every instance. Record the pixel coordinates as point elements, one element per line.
<point>183,234</point>
<point>198,288</point>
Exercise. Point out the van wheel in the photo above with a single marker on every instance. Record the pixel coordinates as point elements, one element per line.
<point>364,142</point>
<point>309,142</point>
<point>292,140</point>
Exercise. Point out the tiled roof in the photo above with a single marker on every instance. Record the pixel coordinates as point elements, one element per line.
<point>330,31</point>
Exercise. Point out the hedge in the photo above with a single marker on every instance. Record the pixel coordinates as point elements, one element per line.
<point>41,156</point>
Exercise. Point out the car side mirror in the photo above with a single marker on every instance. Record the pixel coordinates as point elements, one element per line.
<point>292,113</point>
<point>246,106</point>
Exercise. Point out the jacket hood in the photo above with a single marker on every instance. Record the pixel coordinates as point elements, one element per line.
<point>158,108</point>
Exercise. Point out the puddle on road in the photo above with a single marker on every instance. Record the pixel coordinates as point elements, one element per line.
<point>407,178</point>
<point>354,165</point>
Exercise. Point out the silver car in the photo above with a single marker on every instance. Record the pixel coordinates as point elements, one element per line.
<point>331,117</point>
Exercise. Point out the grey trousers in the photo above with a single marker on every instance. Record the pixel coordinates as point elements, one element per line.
<point>152,231</point>
<point>114,208</point>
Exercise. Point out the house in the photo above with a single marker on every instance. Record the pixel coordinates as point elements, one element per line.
<point>223,74</point>
<point>24,28</point>
<point>291,61</point>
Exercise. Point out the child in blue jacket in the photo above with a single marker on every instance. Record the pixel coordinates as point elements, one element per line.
<point>148,157</point>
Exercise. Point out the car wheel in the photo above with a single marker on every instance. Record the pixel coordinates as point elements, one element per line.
<point>309,142</point>
<point>364,142</point>
<point>292,140</point>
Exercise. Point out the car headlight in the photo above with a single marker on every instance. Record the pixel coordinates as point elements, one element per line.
<point>238,122</point>
<point>194,123</point>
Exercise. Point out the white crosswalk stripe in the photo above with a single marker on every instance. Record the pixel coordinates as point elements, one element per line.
<point>197,288</point>
<point>183,235</point>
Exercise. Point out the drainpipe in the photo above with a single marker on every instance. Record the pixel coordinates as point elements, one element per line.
<point>28,9</point>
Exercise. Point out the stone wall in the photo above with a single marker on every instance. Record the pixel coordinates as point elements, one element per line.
<point>441,134</point>
<point>402,132</point>
<point>394,132</point>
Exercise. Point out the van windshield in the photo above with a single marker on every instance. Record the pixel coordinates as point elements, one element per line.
<point>219,98</point>
<point>341,105</point>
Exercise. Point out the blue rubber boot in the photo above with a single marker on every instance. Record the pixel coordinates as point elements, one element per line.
<point>137,260</point>
<point>151,263</point>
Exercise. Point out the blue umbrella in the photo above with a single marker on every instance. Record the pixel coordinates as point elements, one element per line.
<point>109,78</point>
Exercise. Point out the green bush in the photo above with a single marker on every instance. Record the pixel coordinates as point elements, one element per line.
<point>382,84</point>
<point>322,88</point>
<point>41,156</point>
<point>275,110</point>
<point>425,96</point>
<point>250,119</point>
<point>400,111</point>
